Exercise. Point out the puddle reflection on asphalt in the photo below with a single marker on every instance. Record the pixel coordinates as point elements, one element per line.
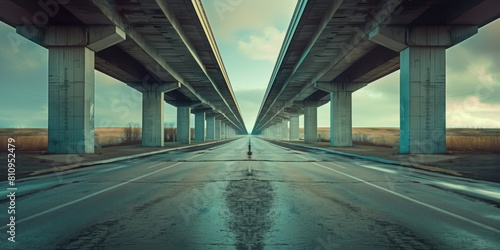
<point>249,201</point>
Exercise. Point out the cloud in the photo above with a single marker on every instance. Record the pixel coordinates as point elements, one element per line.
<point>472,113</point>
<point>478,78</point>
<point>19,53</point>
<point>485,43</point>
<point>228,17</point>
<point>264,46</point>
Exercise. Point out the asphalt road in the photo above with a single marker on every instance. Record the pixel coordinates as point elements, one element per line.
<point>217,198</point>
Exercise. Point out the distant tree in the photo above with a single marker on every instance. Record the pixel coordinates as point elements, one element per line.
<point>132,133</point>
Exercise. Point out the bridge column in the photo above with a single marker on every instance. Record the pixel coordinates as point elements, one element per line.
<point>284,129</point>
<point>199,126</point>
<point>183,122</point>
<point>152,113</point>
<point>277,131</point>
<point>217,136</point>
<point>223,131</point>
<point>341,119</point>
<point>210,127</point>
<point>228,132</point>
<point>422,82</point>
<point>71,83</point>
<point>152,119</point>
<point>310,122</point>
<point>294,127</point>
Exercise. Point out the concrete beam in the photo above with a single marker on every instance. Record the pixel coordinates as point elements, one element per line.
<point>114,16</point>
<point>163,87</point>
<point>95,38</point>
<point>338,86</point>
<point>399,38</point>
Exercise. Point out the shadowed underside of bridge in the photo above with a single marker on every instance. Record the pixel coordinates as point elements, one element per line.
<point>333,48</point>
<point>164,49</point>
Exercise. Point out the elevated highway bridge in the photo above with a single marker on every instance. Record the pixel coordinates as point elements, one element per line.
<point>164,49</point>
<point>333,48</point>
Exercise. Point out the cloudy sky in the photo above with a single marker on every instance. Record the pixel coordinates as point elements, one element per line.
<point>249,35</point>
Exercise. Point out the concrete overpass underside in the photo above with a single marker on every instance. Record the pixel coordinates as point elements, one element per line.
<point>164,49</point>
<point>333,48</point>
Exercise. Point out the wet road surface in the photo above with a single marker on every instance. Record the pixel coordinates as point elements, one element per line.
<point>217,198</point>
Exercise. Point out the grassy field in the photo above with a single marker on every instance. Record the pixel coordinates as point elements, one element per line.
<point>456,139</point>
<point>35,139</point>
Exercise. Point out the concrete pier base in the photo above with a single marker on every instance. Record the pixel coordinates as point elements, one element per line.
<point>341,119</point>
<point>152,119</point>
<point>310,122</point>
<point>294,128</point>
<point>199,126</point>
<point>183,120</point>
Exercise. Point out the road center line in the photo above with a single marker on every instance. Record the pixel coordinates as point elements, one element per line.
<point>94,194</point>
<point>305,158</point>
<point>411,199</point>
<point>193,157</point>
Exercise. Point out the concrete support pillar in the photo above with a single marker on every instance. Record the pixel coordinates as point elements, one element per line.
<point>183,122</point>
<point>277,131</point>
<point>217,133</point>
<point>199,126</point>
<point>71,100</point>
<point>310,122</point>
<point>152,119</point>
<point>284,129</point>
<point>223,134</point>
<point>210,128</point>
<point>341,119</point>
<point>71,82</point>
<point>423,100</point>
<point>422,81</point>
<point>294,127</point>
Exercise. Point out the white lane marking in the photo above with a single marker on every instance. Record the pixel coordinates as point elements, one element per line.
<point>156,165</point>
<point>412,200</point>
<point>94,194</point>
<point>492,194</point>
<point>378,169</point>
<point>305,158</point>
<point>337,165</point>
<point>193,157</point>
